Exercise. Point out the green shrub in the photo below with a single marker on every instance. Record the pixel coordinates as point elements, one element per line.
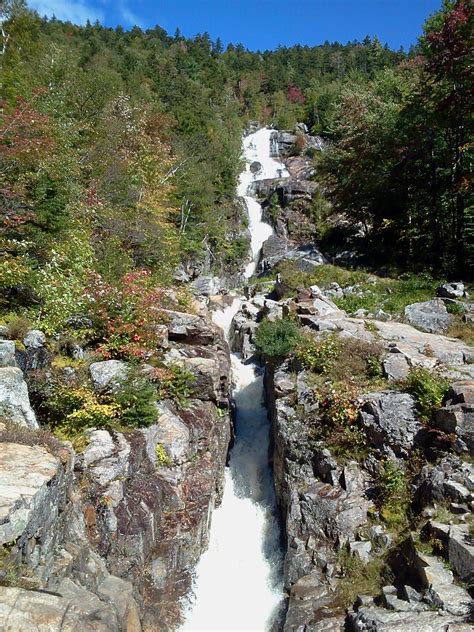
<point>391,295</point>
<point>357,578</point>
<point>293,278</point>
<point>394,496</point>
<point>338,426</point>
<point>428,388</point>
<point>277,339</point>
<point>455,308</point>
<point>92,415</point>
<point>318,355</point>
<point>137,400</point>
<point>342,360</point>
<point>176,383</point>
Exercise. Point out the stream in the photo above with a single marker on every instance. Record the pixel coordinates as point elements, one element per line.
<point>238,581</point>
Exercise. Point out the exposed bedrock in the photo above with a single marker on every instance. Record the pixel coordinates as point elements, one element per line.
<point>106,538</point>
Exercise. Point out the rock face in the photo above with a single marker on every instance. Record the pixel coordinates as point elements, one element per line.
<point>14,399</point>
<point>276,249</point>
<point>282,143</point>
<point>29,483</point>
<point>390,422</point>
<point>321,504</point>
<point>111,534</point>
<point>206,285</point>
<point>326,503</point>
<point>107,374</point>
<point>287,204</point>
<point>430,316</point>
<point>7,353</point>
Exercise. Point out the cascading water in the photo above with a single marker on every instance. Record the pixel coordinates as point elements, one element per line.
<point>238,579</point>
<point>256,148</point>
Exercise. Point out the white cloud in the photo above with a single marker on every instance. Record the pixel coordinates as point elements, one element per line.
<point>76,11</point>
<point>130,18</point>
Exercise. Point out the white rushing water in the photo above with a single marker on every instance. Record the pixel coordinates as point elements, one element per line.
<point>256,148</point>
<point>238,579</point>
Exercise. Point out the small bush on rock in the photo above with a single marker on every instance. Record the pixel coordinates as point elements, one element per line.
<point>428,388</point>
<point>137,401</point>
<point>277,339</point>
<point>340,359</point>
<point>125,316</point>
<point>318,355</point>
<point>11,432</point>
<point>174,382</point>
<point>357,578</point>
<point>18,327</point>
<point>162,457</point>
<point>394,495</point>
<point>339,428</point>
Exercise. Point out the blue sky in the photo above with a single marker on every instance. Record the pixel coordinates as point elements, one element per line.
<point>258,24</point>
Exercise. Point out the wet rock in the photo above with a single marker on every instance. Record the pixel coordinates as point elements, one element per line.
<point>7,353</point>
<point>34,339</point>
<point>255,167</point>
<point>14,399</point>
<point>282,143</point>
<point>276,249</point>
<point>390,422</point>
<point>108,374</point>
<point>451,290</point>
<point>430,316</point>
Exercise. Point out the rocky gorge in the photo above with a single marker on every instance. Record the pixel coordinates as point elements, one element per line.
<point>106,535</point>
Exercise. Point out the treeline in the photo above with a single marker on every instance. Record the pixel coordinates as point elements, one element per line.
<point>401,162</point>
<point>120,149</point>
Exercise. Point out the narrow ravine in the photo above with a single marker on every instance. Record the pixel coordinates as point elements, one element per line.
<point>238,580</point>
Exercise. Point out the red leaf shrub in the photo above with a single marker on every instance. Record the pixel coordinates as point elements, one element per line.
<point>126,316</point>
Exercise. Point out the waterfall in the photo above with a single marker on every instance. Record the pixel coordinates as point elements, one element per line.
<point>257,149</point>
<point>238,579</point>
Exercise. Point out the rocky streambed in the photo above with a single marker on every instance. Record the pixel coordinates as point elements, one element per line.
<point>335,534</point>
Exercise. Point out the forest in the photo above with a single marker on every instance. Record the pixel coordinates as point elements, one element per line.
<point>121,151</point>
